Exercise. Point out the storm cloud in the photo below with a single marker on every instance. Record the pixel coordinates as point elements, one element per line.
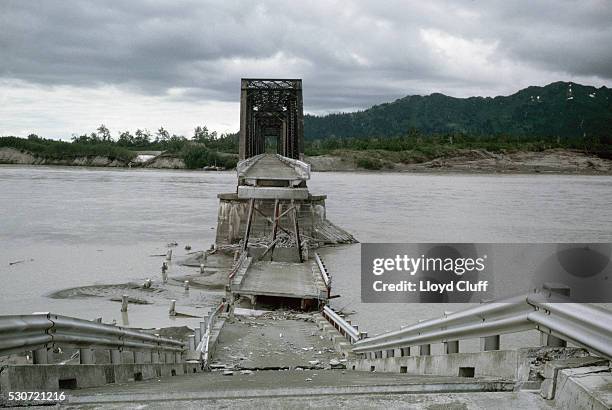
<point>72,64</point>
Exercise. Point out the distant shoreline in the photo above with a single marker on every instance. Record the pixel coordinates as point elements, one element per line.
<point>475,161</point>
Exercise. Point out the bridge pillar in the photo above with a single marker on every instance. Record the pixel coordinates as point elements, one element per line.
<point>41,356</point>
<point>424,350</point>
<point>88,356</point>
<point>451,346</point>
<point>115,356</point>
<point>490,343</point>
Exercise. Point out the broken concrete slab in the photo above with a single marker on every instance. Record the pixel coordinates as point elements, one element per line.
<point>584,388</point>
<point>551,368</point>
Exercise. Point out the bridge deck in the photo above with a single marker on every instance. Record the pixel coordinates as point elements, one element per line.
<point>282,279</point>
<point>316,388</point>
<point>269,166</point>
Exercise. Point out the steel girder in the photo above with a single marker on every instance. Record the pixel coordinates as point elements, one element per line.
<point>271,107</point>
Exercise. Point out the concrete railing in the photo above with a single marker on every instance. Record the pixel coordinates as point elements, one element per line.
<point>243,166</point>
<point>302,168</point>
<point>39,332</point>
<point>582,324</point>
<point>344,327</point>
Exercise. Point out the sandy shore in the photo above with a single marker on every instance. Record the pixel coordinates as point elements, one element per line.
<point>557,161</point>
<point>482,161</point>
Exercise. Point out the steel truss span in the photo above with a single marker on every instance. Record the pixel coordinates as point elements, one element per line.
<point>271,108</point>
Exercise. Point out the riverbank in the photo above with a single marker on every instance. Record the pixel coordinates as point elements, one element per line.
<point>560,161</point>
<point>22,157</point>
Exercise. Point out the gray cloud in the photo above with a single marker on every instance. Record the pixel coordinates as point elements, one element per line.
<point>350,54</point>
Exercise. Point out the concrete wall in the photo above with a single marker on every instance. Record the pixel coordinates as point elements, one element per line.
<point>52,377</point>
<point>498,363</point>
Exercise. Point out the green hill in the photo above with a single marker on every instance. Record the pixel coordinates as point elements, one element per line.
<point>558,109</point>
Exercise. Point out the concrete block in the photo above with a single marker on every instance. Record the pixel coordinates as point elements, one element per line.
<point>272,192</point>
<point>531,360</point>
<point>551,368</point>
<point>584,388</point>
<point>547,389</point>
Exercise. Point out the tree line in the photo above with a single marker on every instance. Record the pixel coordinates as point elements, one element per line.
<point>161,139</point>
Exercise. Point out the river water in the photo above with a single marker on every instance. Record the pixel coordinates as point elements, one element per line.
<point>81,226</point>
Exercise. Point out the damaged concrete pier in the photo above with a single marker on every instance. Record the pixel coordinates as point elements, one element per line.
<point>272,223</point>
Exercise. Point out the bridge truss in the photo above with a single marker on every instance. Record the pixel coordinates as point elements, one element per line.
<point>271,108</point>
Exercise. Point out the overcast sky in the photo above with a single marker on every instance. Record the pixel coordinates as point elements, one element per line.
<point>68,66</point>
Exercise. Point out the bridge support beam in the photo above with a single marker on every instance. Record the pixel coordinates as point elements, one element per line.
<point>87,356</point>
<point>40,356</point>
<point>490,343</point>
<point>545,338</point>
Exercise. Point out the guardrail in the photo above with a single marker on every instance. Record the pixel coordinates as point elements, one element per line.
<point>237,265</point>
<point>582,324</point>
<point>39,332</point>
<point>345,328</point>
<point>325,276</point>
<point>204,345</point>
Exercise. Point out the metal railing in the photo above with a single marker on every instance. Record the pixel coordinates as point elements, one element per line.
<point>237,265</point>
<point>204,345</point>
<point>20,333</point>
<point>323,272</point>
<point>582,324</point>
<point>345,328</point>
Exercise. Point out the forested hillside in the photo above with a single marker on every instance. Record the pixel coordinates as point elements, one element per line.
<point>558,109</point>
